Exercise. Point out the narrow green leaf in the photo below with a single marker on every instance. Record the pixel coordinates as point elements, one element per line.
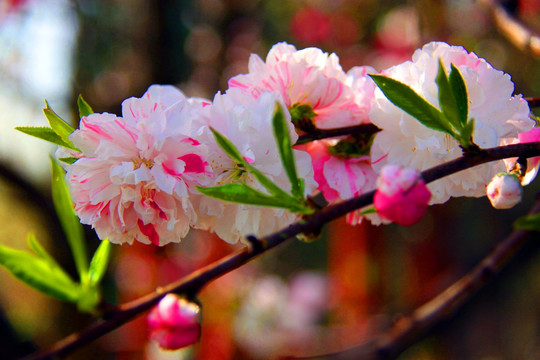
<point>45,133</point>
<point>68,160</point>
<point>413,104</point>
<point>88,299</point>
<point>244,194</point>
<point>99,262</point>
<point>70,222</point>
<point>459,89</point>
<point>266,182</point>
<point>39,274</point>
<point>286,154</point>
<point>233,152</point>
<point>39,249</point>
<point>447,102</point>
<point>84,108</point>
<point>369,210</point>
<point>62,128</point>
<point>528,222</point>
<point>467,133</point>
<point>228,147</point>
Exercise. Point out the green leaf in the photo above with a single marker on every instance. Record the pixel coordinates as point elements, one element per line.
<point>70,222</point>
<point>84,108</point>
<point>45,133</point>
<point>266,182</point>
<point>62,128</point>
<point>369,210</point>
<point>283,140</point>
<point>39,273</point>
<point>244,194</point>
<point>459,89</point>
<point>99,262</point>
<point>228,147</point>
<point>413,104</point>
<point>447,102</point>
<point>88,299</point>
<point>467,133</point>
<point>528,222</point>
<point>68,160</point>
<point>39,249</point>
<point>233,152</point>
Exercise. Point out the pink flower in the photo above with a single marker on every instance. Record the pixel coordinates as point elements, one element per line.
<point>306,77</point>
<point>174,323</point>
<point>247,123</point>
<point>498,116</point>
<point>137,174</point>
<point>401,196</point>
<point>341,178</point>
<point>504,191</point>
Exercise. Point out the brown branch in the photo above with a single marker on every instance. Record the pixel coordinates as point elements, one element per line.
<point>318,134</point>
<point>366,129</point>
<point>515,32</point>
<point>533,101</point>
<point>411,329</point>
<point>192,283</point>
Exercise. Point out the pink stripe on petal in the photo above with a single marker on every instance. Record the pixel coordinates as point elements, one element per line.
<point>191,141</point>
<point>156,207</point>
<point>380,159</point>
<point>149,231</point>
<point>130,133</point>
<point>235,83</point>
<point>194,163</point>
<point>95,128</point>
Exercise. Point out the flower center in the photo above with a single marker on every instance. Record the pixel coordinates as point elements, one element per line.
<point>356,145</point>
<point>302,116</point>
<point>140,161</point>
<point>237,174</point>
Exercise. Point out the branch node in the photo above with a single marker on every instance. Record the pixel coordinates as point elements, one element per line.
<point>257,246</point>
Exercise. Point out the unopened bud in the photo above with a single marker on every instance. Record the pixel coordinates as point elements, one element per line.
<point>174,323</point>
<point>504,191</point>
<point>402,196</point>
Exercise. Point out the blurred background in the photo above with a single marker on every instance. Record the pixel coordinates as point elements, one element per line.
<point>302,298</point>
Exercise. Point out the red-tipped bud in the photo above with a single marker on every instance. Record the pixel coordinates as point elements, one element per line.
<point>174,323</point>
<point>402,196</point>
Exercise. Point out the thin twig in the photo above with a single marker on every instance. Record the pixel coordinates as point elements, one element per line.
<point>411,329</point>
<point>533,101</point>
<point>521,37</point>
<point>197,280</point>
<point>318,134</point>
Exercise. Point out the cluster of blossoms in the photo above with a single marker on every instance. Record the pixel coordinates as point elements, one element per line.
<point>137,175</point>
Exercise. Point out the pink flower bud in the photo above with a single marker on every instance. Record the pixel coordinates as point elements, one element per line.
<point>174,323</point>
<point>402,196</point>
<point>504,191</point>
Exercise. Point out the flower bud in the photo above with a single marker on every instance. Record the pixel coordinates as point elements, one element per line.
<point>174,323</point>
<point>401,196</point>
<point>504,191</point>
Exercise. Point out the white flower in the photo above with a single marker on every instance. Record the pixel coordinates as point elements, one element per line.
<point>136,176</point>
<point>406,142</point>
<point>247,123</point>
